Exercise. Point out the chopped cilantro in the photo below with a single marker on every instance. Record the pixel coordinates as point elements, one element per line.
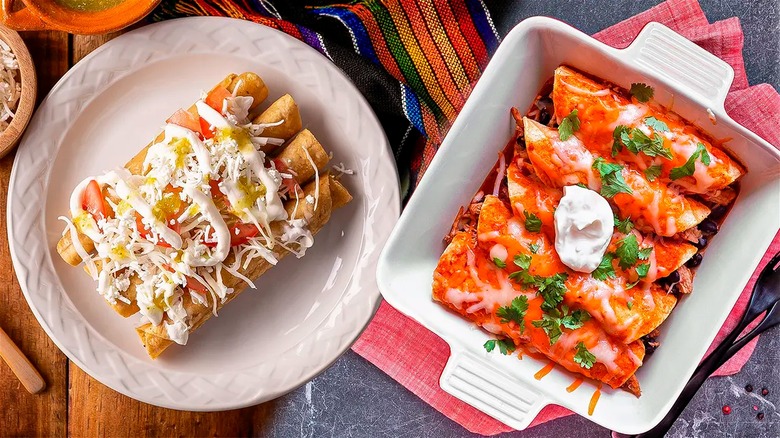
<point>498,262</point>
<point>581,185</point>
<point>551,325</point>
<point>625,225</point>
<point>605,269</point>
<point>552,321</point>
<point>657,125</point>
<point>505,346</point>
<point>534,247</point>
<point>689,167</point>
<point>627,251</point>
<point>612,181</point>
<point>532,222</point>
<point>617,138</point>
<point>575,320</point>
<point>644,253</point>
<point>642,92</point>
<point>653,172</point>
<point>637,141</point>
<point>631,285</point>
<point>630,304</point>
<point>568,126</point>
<point>582,356</point>
<point>552,290</point>
<point>642,270</point>
<point>523,261</point>
<point>514,312</point>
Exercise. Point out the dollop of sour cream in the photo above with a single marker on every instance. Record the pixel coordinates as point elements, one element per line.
<point>583,228</point>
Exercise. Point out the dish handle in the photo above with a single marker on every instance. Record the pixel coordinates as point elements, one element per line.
<point>664,52</point>
<point>23,19</point>
<point>471,379</point>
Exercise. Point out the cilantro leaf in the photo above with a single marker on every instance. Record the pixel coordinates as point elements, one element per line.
<point>605,269</point>
<point>581,185</point>
<point>523,277</point>
<point>637,141</point>
<point>505,346</point>
<point>631,285</point>
<point>705,156</point>
<point>523,261</point>
<point>612,181</point>
<point>617,138</point>
<point>575,320</point>
<point>642,270</point>
<point>534,247</point>
<point>644,253</point>
<point>653,172</point>
<point>498,262</point>
<point>552,289</point>
<point>582,356</point>
<point>656,147</point>
<point>629,304</point>
<point>514,312</point>
<point>625,225</point>
<point>568,126</point>
<point>657,125</point>
<point>627,251</point>
<point>551,325</point>
<point>689,167</point>
<point>532,222</point>
<point>642,92</point>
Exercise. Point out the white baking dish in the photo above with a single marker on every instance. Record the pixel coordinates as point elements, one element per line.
<point>683,75</point>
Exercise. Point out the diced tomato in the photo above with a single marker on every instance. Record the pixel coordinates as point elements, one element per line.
<point>195,285</point>
<point>215,191</point>
<point>280,165</point>
<point>192,284</point>
<point>205,129</point>
<point>240,233</point>
<point>185,119</point>
<point>290,183</point>
<point>244,233</point>
<point>93,201</point>
<point>216,98</point>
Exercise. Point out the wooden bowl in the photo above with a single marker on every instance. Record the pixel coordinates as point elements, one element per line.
<point>10,137</point>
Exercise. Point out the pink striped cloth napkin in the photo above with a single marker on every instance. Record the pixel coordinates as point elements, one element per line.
<point>415,357</point>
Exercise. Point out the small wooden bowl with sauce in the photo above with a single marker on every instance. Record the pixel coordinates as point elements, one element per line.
<point>10,136</point>
<point>84,17</point>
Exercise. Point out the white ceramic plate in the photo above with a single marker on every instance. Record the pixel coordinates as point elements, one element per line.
<point>682,74</point>
<point>304,314</point>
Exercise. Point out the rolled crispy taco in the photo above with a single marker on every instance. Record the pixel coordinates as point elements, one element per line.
<point>202,211</point>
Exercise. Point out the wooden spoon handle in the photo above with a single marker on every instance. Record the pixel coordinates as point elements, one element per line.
<point>20,365</point>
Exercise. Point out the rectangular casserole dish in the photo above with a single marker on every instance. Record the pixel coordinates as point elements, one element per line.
<point>686,78</point>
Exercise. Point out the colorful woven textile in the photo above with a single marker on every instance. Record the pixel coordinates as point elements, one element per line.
<point>416,61</point>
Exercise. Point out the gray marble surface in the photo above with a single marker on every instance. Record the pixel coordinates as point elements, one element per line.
<point>354,398</point>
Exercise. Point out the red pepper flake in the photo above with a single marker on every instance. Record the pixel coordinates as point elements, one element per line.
<point>755,408</point>
<point>760,416</point>
<point>726,410</point>
<point>749,388</point>
<point>764,392</point>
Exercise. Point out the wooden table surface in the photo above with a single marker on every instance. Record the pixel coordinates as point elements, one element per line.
<point>72,400</point>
